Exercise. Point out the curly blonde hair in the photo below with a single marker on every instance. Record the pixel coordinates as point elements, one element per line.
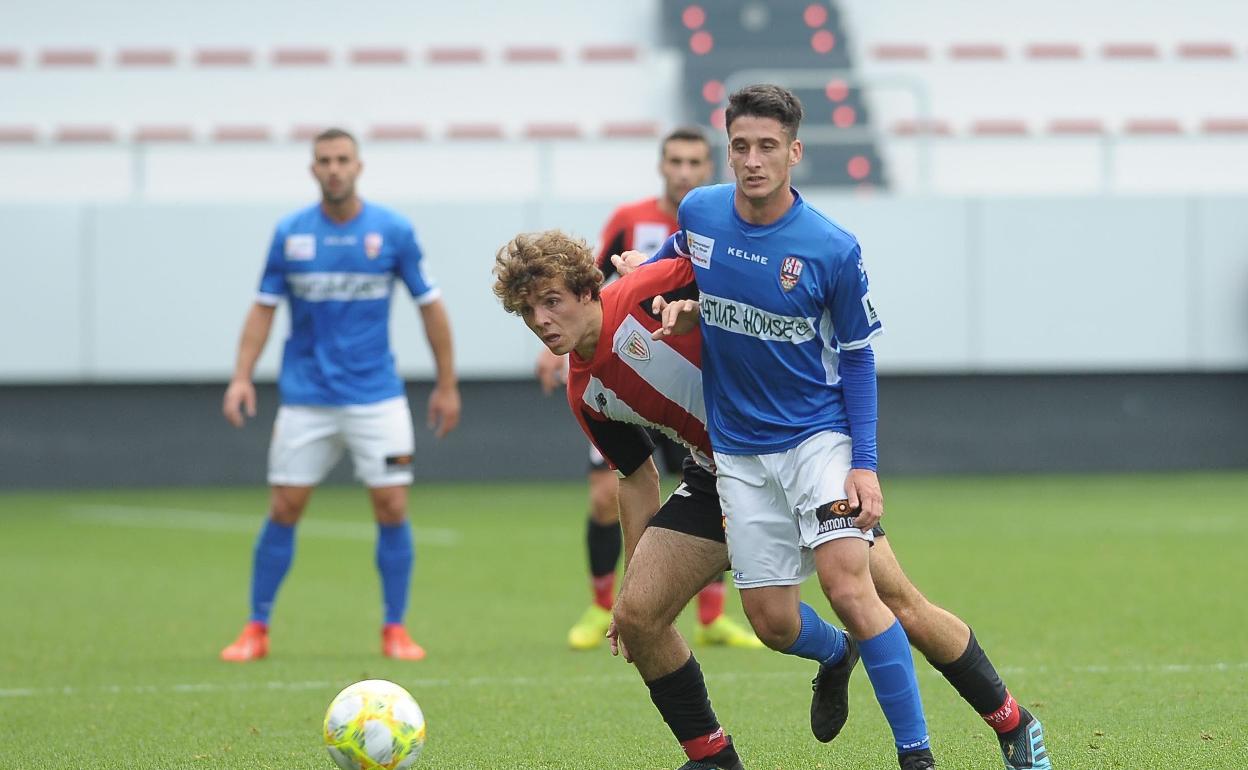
<point>532,257</point>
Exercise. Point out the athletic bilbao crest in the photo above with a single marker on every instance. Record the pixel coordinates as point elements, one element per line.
<point>636,348</point>
<point>790,271</point>
<point>372,245</point>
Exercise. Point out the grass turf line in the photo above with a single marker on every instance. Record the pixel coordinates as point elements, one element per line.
<point>1085,591</point>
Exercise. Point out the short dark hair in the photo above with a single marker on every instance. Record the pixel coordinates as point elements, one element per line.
<point>765,100</point>
<point>334,133</point>
<point>684,134</point>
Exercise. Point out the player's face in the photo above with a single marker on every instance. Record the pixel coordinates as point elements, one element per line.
<point>561,319</point>
<point>686,164</point>
<point>761,155</point>
<point>335,165</point>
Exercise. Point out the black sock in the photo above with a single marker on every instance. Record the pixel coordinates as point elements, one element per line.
<point>605,545</point>
<point>975,679</point>
<point>682,701</point>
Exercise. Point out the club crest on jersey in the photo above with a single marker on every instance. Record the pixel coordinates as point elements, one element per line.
<point>790,271</point>
<point>635,347</point>
<point>372,245</point>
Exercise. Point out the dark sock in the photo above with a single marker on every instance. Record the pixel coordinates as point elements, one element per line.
<point>682,701</point>
<point>977,681</point>
<point>605,545</point>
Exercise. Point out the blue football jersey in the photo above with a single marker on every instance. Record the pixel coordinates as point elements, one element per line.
<point>338,279</point>
<point>779,303</point>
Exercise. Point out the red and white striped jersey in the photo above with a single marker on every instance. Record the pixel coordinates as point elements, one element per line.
<point>635,382</point>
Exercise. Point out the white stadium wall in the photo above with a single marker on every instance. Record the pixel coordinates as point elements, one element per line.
<point>1065,185</point>
<point>157,292</point>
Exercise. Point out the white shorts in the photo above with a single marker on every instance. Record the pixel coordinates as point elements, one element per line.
<point>308,441</point>
<point>779,507</point>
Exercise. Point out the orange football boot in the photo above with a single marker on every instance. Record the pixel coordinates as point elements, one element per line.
<point>251,644</point>
<point>395,643</point>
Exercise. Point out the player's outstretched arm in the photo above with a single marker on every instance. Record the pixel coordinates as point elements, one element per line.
<point>679,317</point>
<point>240,395</point>
<point>444,401</point>
<point>628,261</point>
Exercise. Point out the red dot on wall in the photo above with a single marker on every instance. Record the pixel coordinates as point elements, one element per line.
<point>701,42</point>
<point>844,116</point>
<point>718,117</point>
<point>836,90</point>
<point>693,16</point>
<point>815,15</point>
<point>713,91</point>
<point>823,41</point>
<point>858,167</point>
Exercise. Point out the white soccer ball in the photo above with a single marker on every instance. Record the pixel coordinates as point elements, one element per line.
<point>374,725</point>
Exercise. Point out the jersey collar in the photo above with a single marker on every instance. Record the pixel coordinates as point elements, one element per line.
<point>751,229</point>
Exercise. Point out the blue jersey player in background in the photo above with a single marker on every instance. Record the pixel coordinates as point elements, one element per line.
<point>335,264</point>
<point>789,378</point>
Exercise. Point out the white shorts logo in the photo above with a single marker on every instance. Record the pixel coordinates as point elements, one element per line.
<point>300,248</point>
<point>700,248</point>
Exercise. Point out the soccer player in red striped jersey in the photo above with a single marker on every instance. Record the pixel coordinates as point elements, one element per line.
<point>684,163</point>
<point>621,380</point>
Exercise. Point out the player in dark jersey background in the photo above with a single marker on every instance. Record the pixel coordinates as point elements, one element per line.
<point>684,163</point>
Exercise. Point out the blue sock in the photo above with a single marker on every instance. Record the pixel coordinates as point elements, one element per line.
<point>275,549</point>
<point>818,639</point>
<point>394,561</point>
<point>891,670</point>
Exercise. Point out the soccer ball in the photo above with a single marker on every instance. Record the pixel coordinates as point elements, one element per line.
<point>374,725</point>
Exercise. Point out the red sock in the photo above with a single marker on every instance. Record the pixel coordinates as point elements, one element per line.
<point>711,603</point>
<point>705,745</point>
<point>604,590</point>
<point>1005,718</point>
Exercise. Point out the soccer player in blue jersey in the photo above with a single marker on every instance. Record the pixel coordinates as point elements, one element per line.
<point>335,263</point>
<point>786,320</point>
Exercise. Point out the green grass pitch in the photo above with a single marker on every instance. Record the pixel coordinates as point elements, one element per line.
<point>1114,607</point>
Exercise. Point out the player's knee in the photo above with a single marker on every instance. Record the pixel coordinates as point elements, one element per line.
<point>390,514</point>
<point>848,594</point>
<point>389,505</point>
<point>909,606</point>
<point>604,504</point>
<point>286,509</point>
<point>604,515</point>
<point>775,626</point>
<point>634,620</point>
